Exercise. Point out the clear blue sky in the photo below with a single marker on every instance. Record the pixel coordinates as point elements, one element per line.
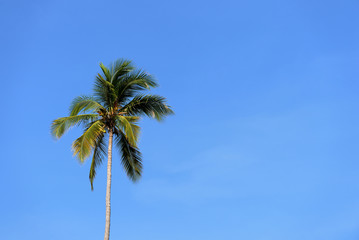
<point>264,144</point>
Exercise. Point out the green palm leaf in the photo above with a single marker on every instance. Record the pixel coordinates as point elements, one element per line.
<point>84,104</point>
<point>133,83</point>
<point>83,146</point>
<point>104,91</point>
<point>153,106</point>
<point>61,125</point>
<point>106,72</point>
<point>99,154</point>
<point>128,126</point>
<point>120,68</point>
<point>130,156</point>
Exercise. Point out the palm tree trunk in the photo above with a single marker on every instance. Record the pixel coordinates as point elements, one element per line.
<point>108,189</point>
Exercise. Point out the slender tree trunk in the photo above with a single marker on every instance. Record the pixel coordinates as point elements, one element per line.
<point>108,189</point>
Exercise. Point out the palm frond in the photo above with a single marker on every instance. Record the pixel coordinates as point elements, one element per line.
<point>151,105</point>
<point>104,91</point>
<point>119,68</point>
<point>127,124</point>
<point>99,154</point>
<point>61,125</point>
<point>83,146</point>
<point>83,104</point>
<point>130,156</point>
<point>106,72</point>
<point>133,83</point>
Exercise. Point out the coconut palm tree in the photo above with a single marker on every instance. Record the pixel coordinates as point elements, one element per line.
<point>114,110</point>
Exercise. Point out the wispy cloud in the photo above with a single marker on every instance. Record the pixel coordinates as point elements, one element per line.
<point>207,175</point>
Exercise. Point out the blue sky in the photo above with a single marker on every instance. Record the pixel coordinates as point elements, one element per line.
<point>264,143</point>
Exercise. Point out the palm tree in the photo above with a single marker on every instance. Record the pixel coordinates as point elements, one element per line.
<point>114,109</point>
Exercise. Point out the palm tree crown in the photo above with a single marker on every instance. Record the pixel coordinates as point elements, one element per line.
<point>115,108</point>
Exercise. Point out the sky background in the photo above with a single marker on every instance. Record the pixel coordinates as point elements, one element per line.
<point>264,144</point>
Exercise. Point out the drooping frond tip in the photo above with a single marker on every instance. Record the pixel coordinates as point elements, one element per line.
<point>83,146</point>
<point>127,124</point>
<point>61,125</point>
<point>99,154</point>
<point>131,158</point>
